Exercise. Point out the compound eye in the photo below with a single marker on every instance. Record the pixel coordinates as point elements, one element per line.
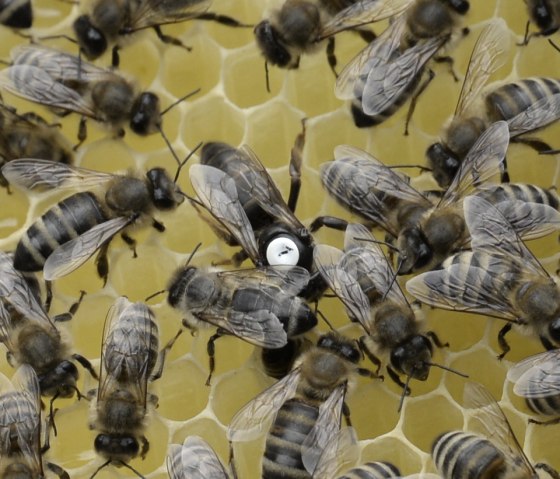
<point>282,251</point>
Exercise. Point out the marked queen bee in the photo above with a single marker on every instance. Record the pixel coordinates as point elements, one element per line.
<point>194,459</point>
<point>500,277</point>
<point>69,233</point>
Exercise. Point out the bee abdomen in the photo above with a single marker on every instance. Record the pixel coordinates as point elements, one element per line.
<point>513,98</point>
<point>546,406</point>
<point>277,363</point>
<point>459,455</point>
<point>282,456</point>
<point>373,470</point>
<point>520,191</point>
<point>67,220</point>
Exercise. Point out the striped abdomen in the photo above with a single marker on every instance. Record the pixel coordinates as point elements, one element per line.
<point>546,406</point>
<point>277,363</point>
<point>282,455</point>
<point>520,191</point>
<point>511,99</point>
<point>63,222</point>
<point>459,455</point>
<point>373,470</point>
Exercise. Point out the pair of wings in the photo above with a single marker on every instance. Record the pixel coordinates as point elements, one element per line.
<point>20,417</point>
<point>44,175</point>
<point>537,376</point>
<point>497,246</point>
<point>481,165</point>
<point>341,272</point>
<point>128,349</point>
<point>260,327</point>
<point>194,459</point>
<point>54,78</point>
<point>255,418</point>
<point>218,193</point>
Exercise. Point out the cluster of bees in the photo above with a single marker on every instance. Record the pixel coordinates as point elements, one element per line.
<point>464,242</point>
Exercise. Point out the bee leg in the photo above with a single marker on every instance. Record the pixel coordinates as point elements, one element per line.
<point>163,355</point>
<point>372,357</point>
<point>223,19</point>
<point>527,36</point>
<point>11,359</point>
<point>169,39</point>
<point>82,133</point>
<point>86,365</point>
<point>131,242</point>
<point>346,413</point>
<point>102,263</point>
<point>366,35</point>
<point>449,60</point>
<point>435,339</point>
<point>72,311</point>
<point>49,295</point>
<point>158,225</point>
<point>296,158</point>
<point>56,469</point>
<point>545,423</point>
<point>536,144</point>
<point>397,380</point>
<point>145,447</point>
<point>504,346</point>
<point>239,257</point>
<point>331,56</point>
<point>546,343</point>
<point>414,99</point>
<point>548,469</point>
<point>115,58</point>
<point>369,374</point>
<point>329,222</point>
<point>211,350</point>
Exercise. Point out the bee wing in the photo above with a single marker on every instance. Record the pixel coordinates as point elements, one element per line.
<point>342,283</point>
<point>468,288</point>
<point>253,419</point>
<point>349,83</point>
<point>41,175</point>
<point>290,279</point>
<point>539,114</point>
<point>487,56</point>
<point>390,77</point>
<point>492,422</point>
<point>71,255</point>
<point>35,84</point>
<point>218,193</point>
<point>339,452</point>
<point>482,163</point>
<point>325,429</point>
<point>150,13</point>
<point>530,220</point>
<point>537,376</point>
<point>491,232</point>
<point>194,459</point>
<point>361,13</point>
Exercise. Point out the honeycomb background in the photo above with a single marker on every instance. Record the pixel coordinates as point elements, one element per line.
<point>234,106</point>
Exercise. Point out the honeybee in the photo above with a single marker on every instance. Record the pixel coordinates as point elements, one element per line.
<point>389,71</point>
<point>66,83</point>
<point>499,278</point>
<point>536,379</point>
<point>366,284</point>
<point>527,105</point>
<point>31,337</point>
<point>494,453</point>
<point>248,210</point>
<point>16,13</point>
<point>545,14</point>
<point>425,234</point>
<point>29,136</point>
<point>112,22</point>
<point>129,354</point>
<point>306,405</point>
<point>20,429</point>
<point>194,459</point>
<point>69,233</point>
<point>260,305</point>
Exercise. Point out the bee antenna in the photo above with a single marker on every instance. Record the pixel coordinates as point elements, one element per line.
<point>168,143</point>
<point>392,281</point>
<point>420,167</point>
<point>384,243</point>
<point>105,464</point>
<point>184,162</point>
<point>556,47</point>
<point>193,200</point>
<point>128,466</point>
<point>451,370</point>
<point>324,318</point>
<point>192,254</point>
<point>406,390</point>
<point>176,102</point>
<point>267,79</point>
<point>154,295</point>
<point>52,412</point>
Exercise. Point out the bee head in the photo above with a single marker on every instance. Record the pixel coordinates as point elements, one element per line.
<point>413,357</point>
<point>281,245</point>
<point>460,6</point>
<point>166,195</point>
<point>117,447</point>
<point>91,40</point>
<point>541,14</point>
<point>179,284</point>
<point>270,44</point>
<point>443,162</point>
<point>19,17</point>
<point>414,250</point>
<point>341,346</point>
<point>60,381</point>
<point>145,116</point>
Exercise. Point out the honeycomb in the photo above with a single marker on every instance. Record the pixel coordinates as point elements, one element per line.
<point>233,106</point>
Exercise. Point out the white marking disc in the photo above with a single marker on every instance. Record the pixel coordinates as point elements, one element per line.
<point>282,251</point>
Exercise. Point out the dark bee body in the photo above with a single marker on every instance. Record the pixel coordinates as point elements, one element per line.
<point>373,470</point>
<point>16,13</point>
<point>519,192</point>
<point>277,363</point>
<point>307,408</point>
<point>129,355</point>
<point>545,14</point>
<point>63,238</point>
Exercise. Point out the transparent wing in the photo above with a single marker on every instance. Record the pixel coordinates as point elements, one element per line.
<point>150,13</point>
<point>492,422</point>
<point>254,419</point>
<point>34,174</point>
<point>473,284</point>
<point>491,232</point>
<point>361,13</point>
<point>341,451</point>
<point>530,220</point>
<point>537,376</point>
<point>194,459</point>
<point>482,164</point>
<point>489,54</point>
<point>539,114</point>
<point>325,429</point>
<point>218,193</point>
<point>71,255</point>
